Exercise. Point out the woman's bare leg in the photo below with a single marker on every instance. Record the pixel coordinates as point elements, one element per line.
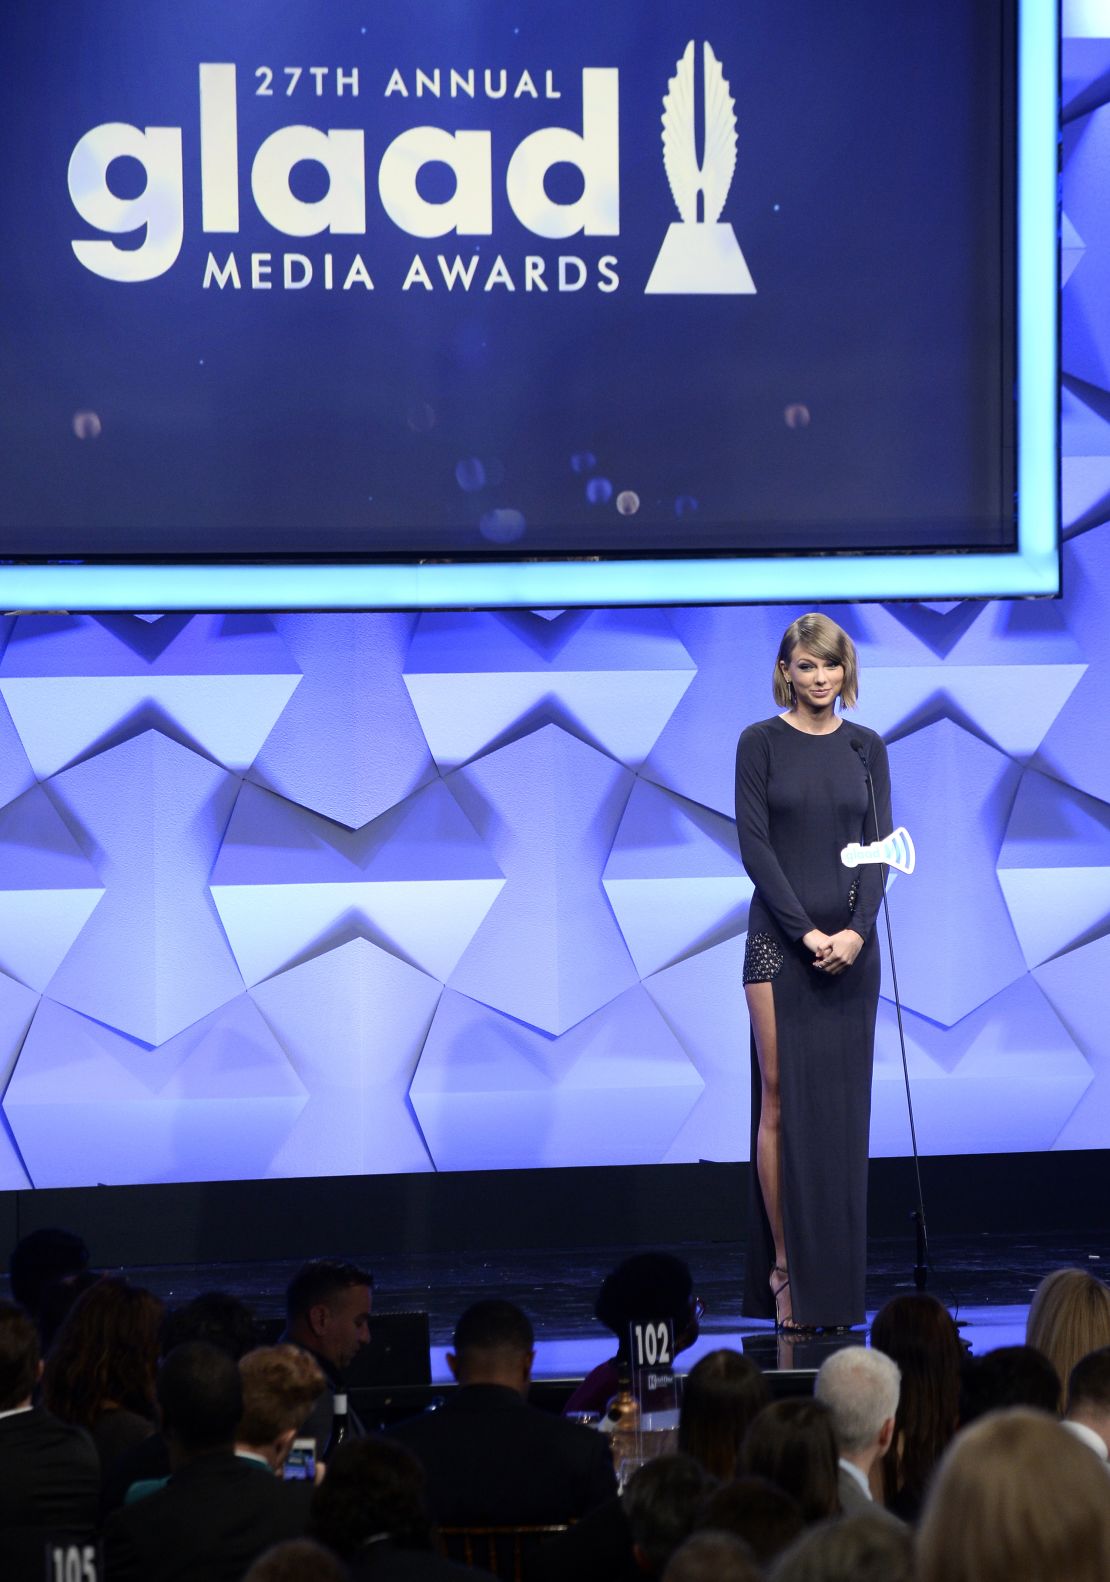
<point>768,1144</point>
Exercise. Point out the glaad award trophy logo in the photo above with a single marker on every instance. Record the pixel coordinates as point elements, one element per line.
<point>700,254</point>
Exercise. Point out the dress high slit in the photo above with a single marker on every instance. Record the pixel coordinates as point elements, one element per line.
<point>800,799</point>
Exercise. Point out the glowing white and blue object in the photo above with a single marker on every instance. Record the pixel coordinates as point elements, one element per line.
<point>896,851</point>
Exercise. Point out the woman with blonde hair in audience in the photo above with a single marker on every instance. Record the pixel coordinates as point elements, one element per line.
<point>1069,1317</point>
<point>1016,1499</point>
<point>917,1332</point>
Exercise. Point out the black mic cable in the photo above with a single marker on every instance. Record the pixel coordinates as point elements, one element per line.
<point>921,1267</point>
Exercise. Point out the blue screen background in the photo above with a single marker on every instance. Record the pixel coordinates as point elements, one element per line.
<point>855,400</point>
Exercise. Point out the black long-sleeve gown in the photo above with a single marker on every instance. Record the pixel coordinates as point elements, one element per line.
<point>799,800</point>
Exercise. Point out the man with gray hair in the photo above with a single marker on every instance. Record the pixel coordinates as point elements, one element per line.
<point>861,1389</point>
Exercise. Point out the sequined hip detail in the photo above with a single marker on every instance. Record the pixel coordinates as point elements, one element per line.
<point>853,894</point>
<point>762,958</point>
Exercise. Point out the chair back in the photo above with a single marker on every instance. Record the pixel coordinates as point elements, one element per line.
<point>504,1551</point>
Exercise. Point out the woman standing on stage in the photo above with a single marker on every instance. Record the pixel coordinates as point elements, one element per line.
<point>811,979</point>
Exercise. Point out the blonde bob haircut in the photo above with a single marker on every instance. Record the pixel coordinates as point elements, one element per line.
<point>1069,1317</point>
<point>827,641</point>
<point>1016,1498</point>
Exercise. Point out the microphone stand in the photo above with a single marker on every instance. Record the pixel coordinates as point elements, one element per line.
<point>921,1267</point>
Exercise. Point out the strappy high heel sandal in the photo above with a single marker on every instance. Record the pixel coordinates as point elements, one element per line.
<point>785,1326</point>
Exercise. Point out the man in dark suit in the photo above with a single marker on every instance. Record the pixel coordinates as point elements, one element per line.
<point>49,1472</point>
<point>219,1510</point>
<point>328,1315</point>
<point>491,1458</point>
<point>1088,1409</point>
<point>372,1510</point>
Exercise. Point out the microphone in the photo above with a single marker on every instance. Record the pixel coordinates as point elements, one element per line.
<point>880,851</point>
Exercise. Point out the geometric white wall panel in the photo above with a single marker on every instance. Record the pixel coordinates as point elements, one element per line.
<point>67,684</point>
<point>550,951</point>
<point>616,675</point>
<point>492,1094</point>
<point>17,1007</point>
<point>1084,482</point>
<point>1054,866</point>
<point>352,1023</point>
<point>700,1003</point>
<point>1085,52</point>
<point>1087,349</point>
<point>349,744</point>
<point>1075,985</point>
<point>984,694</point>
<point>968,662</point>
<point>1052,910</point>
<point>955,944</point>
<point>1086,574</point>
<point>16,774</point>
<point>1085,438</point>
<point>418,880</point>
<point>152,958</point>
<point>696,751</point>
<point>87,1104</point>
<point>1071,249</point>
<point>673,877</point>
<point>1005,1079</point>
<point>48,889</point>
<point>1077,748</point>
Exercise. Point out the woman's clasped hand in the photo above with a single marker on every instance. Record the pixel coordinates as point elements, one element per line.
<point>833,953</point>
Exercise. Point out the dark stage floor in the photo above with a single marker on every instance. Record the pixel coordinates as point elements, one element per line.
<point>986,1281</point>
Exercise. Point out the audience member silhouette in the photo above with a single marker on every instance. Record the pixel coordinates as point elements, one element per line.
<point>866,1547</point>
<point>327,1313</point>
<point>489,1456</point>
<point>100,1370</point>
<point>712,1557</point>
<point>41,1259</point>
<point>723,1392</point>
<point>1069,1317</point>
<point>218,1511</point>
<point>215,1316</point>
<point>298,1560</point>
<point>49,1472</point>
<point>1007,1376</point>
<point>1016,1499</point>
<point>372,1510</point>
<point>860,1387</point>
<point>791,1442</point>
<point>661,1502</point>
<point>1088,1405</point>
<point>918,1333</point>
<point>649,1285</point>
<point>756,1510</point>
<point>56,1301</point>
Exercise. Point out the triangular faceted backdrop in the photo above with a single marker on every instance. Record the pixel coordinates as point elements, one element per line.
<point>325,894</point>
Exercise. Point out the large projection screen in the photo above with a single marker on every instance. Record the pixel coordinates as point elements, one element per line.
<point>464,307</point>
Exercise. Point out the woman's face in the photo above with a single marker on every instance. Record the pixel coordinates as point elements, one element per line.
<point>817,682</point>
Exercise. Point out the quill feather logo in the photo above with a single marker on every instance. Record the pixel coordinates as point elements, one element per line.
<point>700,254</point>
